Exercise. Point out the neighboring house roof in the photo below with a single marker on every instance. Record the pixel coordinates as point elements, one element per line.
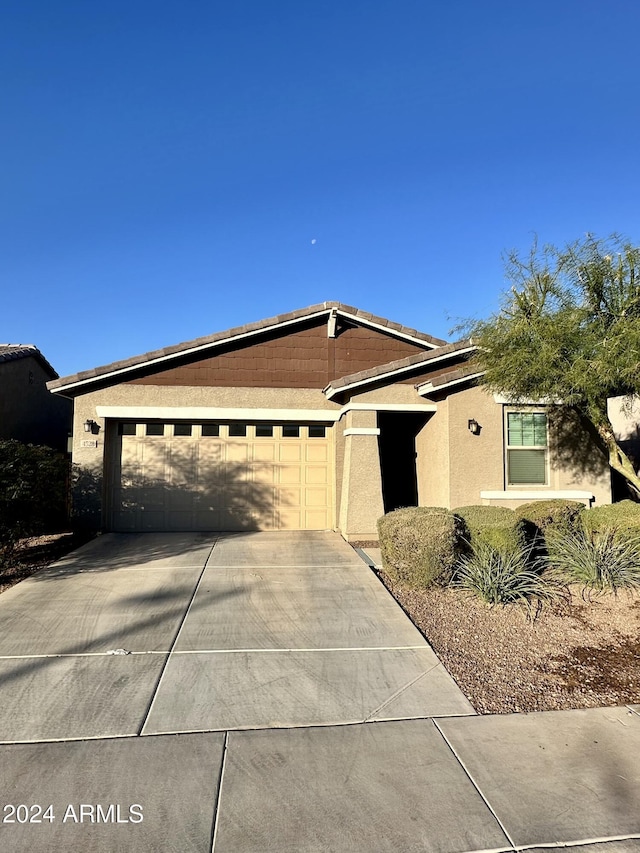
<point>12,352</point>
<point>336,309</point>
<point>396,368</point>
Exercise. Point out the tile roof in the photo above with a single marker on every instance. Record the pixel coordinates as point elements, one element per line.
<point>399,366</point>
<point>12,352</point>
<point>240,331</point>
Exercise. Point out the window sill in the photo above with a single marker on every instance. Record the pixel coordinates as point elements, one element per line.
<point>540,493</point>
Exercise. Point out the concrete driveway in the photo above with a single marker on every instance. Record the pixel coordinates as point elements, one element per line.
<point>263,692</point>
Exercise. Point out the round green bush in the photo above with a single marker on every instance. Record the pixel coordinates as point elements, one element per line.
<point>559,515</point>
<point>622,518</point>
<point>495,526</point>
<point>420,545</point>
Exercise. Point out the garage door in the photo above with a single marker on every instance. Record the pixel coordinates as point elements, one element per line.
<point>221,476</point>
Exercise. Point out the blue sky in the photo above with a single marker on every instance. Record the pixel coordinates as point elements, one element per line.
<point>174,169</point>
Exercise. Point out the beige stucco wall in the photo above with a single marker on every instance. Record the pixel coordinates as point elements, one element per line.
<point>432,458</point>
<point>476,461</point>
<point>576,460</point>
<point>455,466</point>
<point>361,503</point>
<point>391,394</point>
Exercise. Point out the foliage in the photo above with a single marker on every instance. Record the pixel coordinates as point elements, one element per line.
<point>33,492</point>
<point>494,525</point>
<point>86,492</point>
<point>569,332</point>
<point>600,561</point>
<point>555,513</point>
<point>623,518</point>
<point>420,545</point>
<point>504,577</point>
<point>550,518</point>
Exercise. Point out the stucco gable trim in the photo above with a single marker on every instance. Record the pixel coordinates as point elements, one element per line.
<point>168,413</point>
<point>430,388</point>
<point>214,413</point>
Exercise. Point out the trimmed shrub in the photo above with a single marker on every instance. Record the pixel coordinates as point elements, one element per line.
<point>420,545</point>
<point>552,516</point>
<point>496,526</point>
<point>600,560</point>
<point>505,577</point>
<point>622,518</point>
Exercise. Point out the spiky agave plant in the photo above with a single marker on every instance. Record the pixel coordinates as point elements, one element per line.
<point>506,577</point>
<point>600,560</point>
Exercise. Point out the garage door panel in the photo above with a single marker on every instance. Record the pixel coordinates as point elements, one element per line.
<point>264,452</point>
<point>182,464</point>
<point>150,499</point>
<point>210,451</point>
<point>197,482</point>
<point>126,521</point>
<point>289,496</point>
<point>315,497</point>
<point>290,452</point>
<point>152,520</point>
<point>180,499</point>
<point>317,519</point>
<point>317,452</point>
<point>290,474</point>
<point>180,520</point>
<point>316,474</point>
<point>237,452</point>
<point>289,519</point>
<point>154,457</point>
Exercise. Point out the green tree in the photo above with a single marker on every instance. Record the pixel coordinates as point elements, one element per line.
<point>568,332</point>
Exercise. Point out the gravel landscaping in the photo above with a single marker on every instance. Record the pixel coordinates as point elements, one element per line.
<point>35,553</point>
<point>575,654</point>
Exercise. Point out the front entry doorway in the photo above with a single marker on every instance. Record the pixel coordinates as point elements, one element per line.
<point>397,444</point>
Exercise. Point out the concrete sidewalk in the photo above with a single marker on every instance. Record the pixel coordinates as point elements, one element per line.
<point>273,697</point>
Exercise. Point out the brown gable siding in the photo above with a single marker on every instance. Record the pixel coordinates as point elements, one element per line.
<point>360,348</point>
<point>304,358</point>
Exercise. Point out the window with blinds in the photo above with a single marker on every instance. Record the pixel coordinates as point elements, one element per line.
<point>526,448</point>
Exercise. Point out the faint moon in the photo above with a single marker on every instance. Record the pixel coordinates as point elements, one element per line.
<point>314,241</point>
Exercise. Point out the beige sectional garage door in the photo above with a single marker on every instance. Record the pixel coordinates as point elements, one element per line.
<point>213,477</point>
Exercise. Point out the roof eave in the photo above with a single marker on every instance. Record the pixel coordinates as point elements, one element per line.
<point>331,392</point>
<point>98,375</point>
<point>427,388</point>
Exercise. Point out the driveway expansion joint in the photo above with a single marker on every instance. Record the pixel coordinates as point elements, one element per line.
<point>216,809</point>
<point>476,786</point>
<point>175,640</point>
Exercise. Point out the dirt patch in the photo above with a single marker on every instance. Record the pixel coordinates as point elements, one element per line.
<point>37,552</point>
<point>576,654</point>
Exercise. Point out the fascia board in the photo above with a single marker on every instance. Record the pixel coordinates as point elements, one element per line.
<point>428,388</point>
<point>357,319</point>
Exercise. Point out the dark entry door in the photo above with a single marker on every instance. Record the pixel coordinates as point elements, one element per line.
<point>397,443</point>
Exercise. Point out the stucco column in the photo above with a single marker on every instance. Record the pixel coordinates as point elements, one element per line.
<point>361,503</point>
